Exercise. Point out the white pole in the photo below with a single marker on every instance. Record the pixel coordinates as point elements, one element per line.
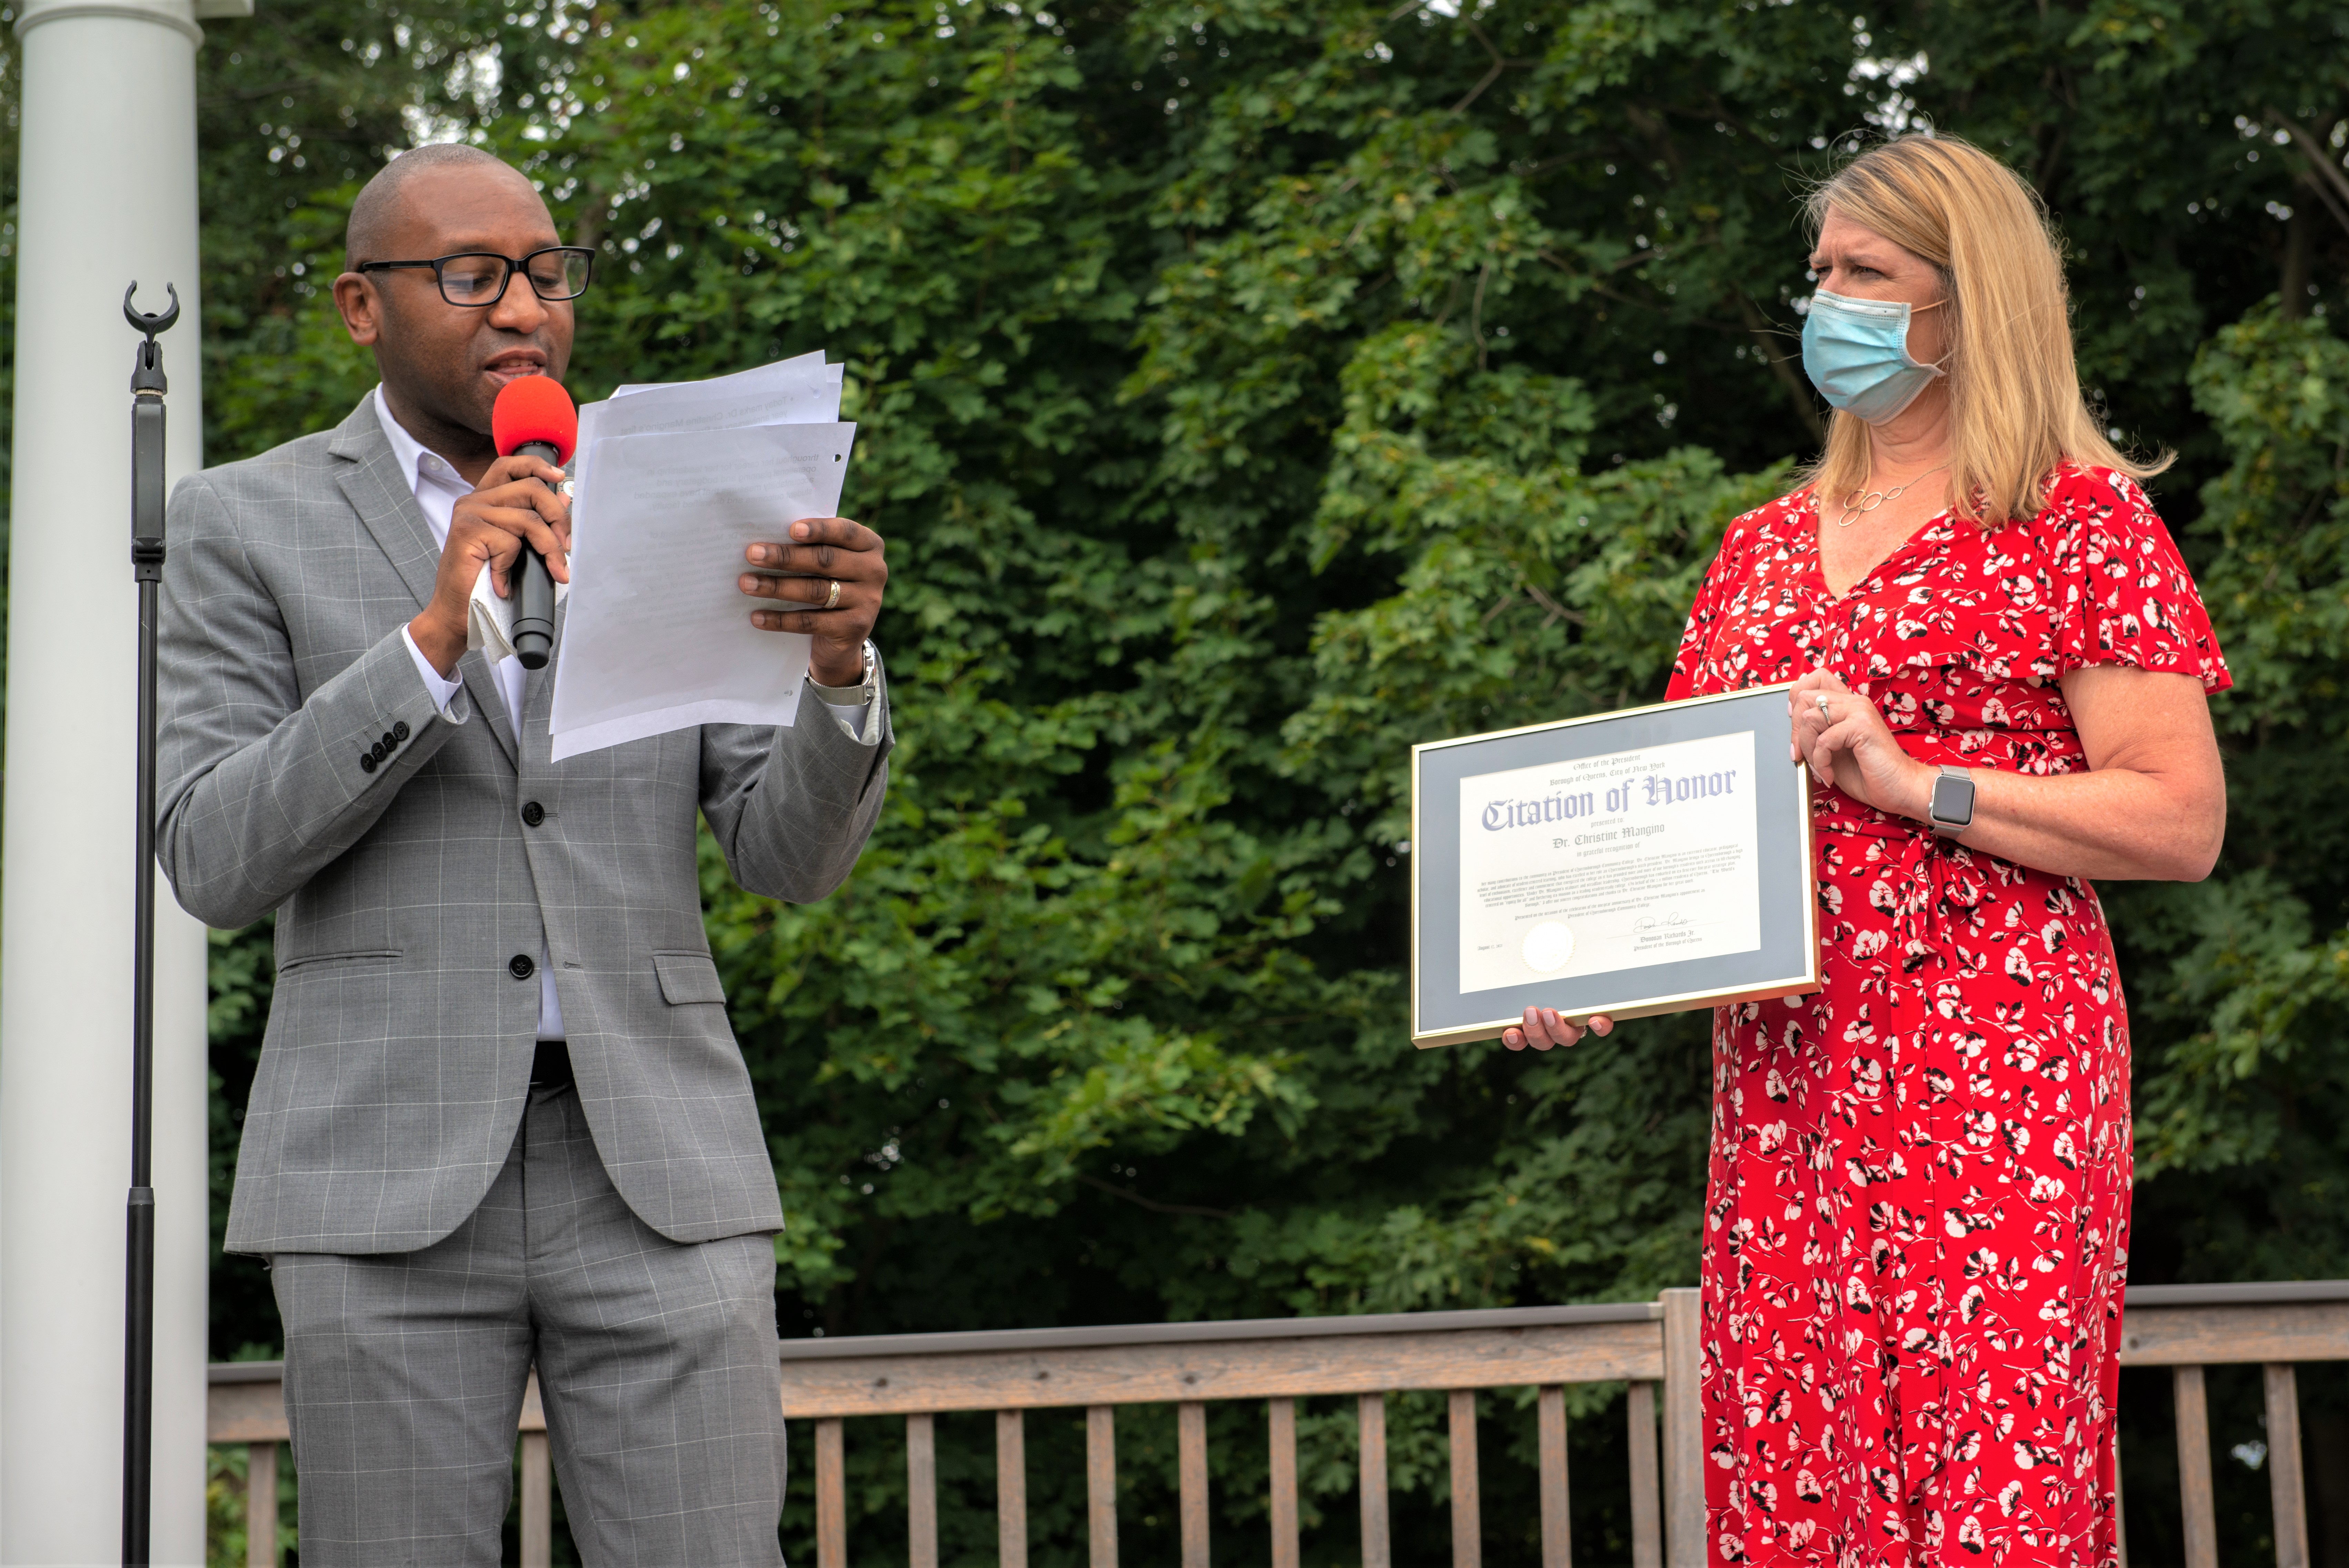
<point>108,193</point>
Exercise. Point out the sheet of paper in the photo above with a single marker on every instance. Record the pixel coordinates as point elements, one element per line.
<point>657,635</point>
<point>791,391</point>
<point>780,371</point>
<point>1609,863</point>
<point>832,375</point>
<point>488,618</point>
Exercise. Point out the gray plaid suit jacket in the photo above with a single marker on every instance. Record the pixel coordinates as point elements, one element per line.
<point>414,892</point>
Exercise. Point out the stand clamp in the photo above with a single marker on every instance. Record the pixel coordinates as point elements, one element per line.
<point>147,385</point>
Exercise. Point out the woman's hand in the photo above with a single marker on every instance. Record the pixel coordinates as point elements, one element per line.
<point>1546,1027</point>
<point>1844,738</point>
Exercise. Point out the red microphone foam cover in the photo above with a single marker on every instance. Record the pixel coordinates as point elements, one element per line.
<point>534,408</point>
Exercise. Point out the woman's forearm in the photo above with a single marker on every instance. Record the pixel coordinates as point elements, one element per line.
<point>2115,825</point>
<point>2150,805</point>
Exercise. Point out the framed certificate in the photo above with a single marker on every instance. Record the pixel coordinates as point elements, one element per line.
<point>1654,860</point>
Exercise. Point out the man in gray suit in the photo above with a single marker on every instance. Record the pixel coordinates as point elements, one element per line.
<point>500,1119</point>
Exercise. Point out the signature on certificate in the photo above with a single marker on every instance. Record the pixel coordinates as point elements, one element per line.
<point>1658,922</point>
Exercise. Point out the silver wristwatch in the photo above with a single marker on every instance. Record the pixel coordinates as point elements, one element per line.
<point>859,695</point>
<point>1950,807</point>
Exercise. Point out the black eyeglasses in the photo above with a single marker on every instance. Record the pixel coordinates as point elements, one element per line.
<point>480,277</point>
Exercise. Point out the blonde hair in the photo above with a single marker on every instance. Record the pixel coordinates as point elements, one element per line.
<point>2015,409</point>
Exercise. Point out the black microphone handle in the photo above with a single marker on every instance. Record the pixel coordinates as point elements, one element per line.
<point>533,588</point>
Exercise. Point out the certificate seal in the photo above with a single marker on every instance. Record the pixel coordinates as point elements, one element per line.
<point>1548,946</point>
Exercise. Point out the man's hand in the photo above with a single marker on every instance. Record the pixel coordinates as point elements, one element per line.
<point>514,502</point>
<point>823,552</point>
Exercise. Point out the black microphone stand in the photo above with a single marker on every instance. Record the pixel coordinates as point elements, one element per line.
<point>147,388</point>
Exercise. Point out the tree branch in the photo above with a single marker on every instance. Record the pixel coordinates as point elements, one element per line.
<point>1500,63</point>
<point>1153,1204</point>
<point>1476,314</point>
<point>1796,388</point>
<point>1478,90</point>
<point>2319,160</point>
<point>1557,612</point>
<point>2324,193</point>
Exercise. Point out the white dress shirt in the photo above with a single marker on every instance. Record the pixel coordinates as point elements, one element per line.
<point>439,487</point>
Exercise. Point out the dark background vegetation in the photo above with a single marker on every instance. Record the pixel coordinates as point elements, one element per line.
<point>1246,392</point>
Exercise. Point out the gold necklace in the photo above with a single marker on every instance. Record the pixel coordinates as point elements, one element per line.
<point>1869,500</point>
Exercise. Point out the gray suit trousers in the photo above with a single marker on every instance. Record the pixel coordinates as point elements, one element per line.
<point>405,1373</point>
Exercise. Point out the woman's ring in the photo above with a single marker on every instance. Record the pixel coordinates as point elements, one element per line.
<point>1823,707</point>
<point>832,601</point>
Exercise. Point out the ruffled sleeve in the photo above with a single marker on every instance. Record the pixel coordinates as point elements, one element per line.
<point>1722,580</point>
<point>2127,596</point>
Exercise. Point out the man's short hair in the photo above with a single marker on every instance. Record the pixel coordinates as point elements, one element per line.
<point>377,210</point>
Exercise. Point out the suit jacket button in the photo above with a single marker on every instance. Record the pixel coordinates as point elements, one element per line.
<point>389,740</point>
<point>400,731</point>
<point>367,761</point>
<point>522,966</point>
<point>532,814</point>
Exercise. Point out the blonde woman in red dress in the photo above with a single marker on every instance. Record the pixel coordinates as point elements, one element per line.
<point>1916,1229</point>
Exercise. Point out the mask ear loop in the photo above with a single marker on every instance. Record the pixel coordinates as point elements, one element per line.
<point>1914,311</point>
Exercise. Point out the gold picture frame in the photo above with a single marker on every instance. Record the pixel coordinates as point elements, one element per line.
<point>1786,964</point>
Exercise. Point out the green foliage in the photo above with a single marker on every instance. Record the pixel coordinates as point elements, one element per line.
<point>1247,391</point>
<point>227,1482</point>
<point>2246,1062</point>
<point>2277,393</point>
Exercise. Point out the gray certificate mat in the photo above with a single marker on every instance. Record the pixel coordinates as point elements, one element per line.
<point>1654,860</point>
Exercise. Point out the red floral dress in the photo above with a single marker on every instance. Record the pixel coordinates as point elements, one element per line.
<point>1916,1225</point>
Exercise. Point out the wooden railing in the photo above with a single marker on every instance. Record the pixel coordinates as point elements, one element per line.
<point>1280,1361</point>
<point>2188,1327</point>
<point>1650,1346</point>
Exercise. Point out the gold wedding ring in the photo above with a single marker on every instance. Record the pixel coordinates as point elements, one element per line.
<point>832,600</point>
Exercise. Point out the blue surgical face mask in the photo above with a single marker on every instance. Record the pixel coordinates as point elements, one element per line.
<point>1857,352</point>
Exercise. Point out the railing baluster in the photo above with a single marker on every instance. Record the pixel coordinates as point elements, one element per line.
<point>2194,1469</point>
<point>2286,1484</point>
<point>1683,1428</point>
<point>1557,1540</point>
<point>1101,1483</point>
<point>1012,1489</point>
<point>1284,1483</point>
<point>1191,1462</point>
<point>537,1502</point>
<point>1371,1416</point>
<point>922,1491</point>
<point>831,1497</point>
<point>261,1505</point>
<point>1467,1527</point>
<point>1647,1511</point>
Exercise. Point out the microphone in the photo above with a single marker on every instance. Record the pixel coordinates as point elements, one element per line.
<point>534,417</point>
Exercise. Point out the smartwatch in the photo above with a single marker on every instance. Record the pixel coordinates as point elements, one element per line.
<point>1950,809</point>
